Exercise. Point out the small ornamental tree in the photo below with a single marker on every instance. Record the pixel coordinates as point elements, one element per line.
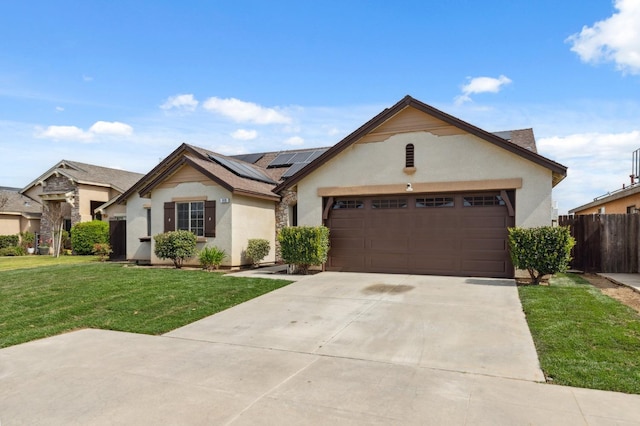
<point>102,250</point>
<point>541,251</point>
<point>175,245</point>
<point>304,246</point>
<point>85,235</point>
<point>257,249</point>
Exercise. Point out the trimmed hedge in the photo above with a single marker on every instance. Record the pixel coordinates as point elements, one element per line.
<point>85,235</point>
<point>175,245</point>
<point>257,249</point>
<point>541,251</point>
<point>9,241</point>
<point>304,246</point>
<point>12,251</point>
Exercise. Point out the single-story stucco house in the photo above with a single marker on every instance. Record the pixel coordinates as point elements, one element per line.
<point>413,190</point>
<point>622,201</point>
<point>18,213</point>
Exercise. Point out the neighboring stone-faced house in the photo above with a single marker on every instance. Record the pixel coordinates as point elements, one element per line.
<point>414,190</point>
<point>18,213</point>
<point>621,201</point>
<point>74,191</point>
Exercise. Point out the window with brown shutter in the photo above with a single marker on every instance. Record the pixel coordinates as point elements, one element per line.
<point>169,216</point>
<point>191,217</point>
<point>210,218</point>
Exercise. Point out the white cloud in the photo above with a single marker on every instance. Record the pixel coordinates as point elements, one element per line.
<point>115,128</point>
<point>245,112</point>
<point>244,135</point>
<point>69,133</point>
<point>74,133</point>
<point>597,164</point>
<point>294,141</point>
<point>59,109</point>
<point>86,78</point>
<point>481,85</point>
<point>230,149</point>
<point>615,39</point>
<point>185,102</point>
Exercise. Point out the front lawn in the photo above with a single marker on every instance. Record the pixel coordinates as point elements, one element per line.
<point>21,262</point>
<point>583,338</point>
<point>41,302</point>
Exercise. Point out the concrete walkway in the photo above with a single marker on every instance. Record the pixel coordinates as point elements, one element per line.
<point>630,280</point>
<point>329,349</point>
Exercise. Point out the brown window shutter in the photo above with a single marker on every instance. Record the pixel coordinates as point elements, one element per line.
<point>169,217</point>
<point>210,218</point>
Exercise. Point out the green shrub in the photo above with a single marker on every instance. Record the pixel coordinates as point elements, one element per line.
<point>85,234</point>
<point>12,251</point>
<point>102,250</point>
<point>211,257</point>
<point>27,239</point>
<point>257,249</point>
<point>304,246</point>
<point>541,251</point>
<point>9,241</point>
<point>175,245</point>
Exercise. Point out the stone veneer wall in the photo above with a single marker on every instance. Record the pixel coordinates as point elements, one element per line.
<point>59,184</point>
<point>289,198</point>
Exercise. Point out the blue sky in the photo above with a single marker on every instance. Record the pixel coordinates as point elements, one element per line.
<point>123,83</point>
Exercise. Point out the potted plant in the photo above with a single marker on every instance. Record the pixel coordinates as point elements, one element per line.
<point>26,241</point>
<point>43,248</point>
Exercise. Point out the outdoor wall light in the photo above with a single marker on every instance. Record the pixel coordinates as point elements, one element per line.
<point>409,187</point>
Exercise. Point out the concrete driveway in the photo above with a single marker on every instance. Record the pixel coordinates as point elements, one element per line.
<point>334,348</point>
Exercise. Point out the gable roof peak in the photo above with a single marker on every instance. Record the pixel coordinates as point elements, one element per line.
<point>559,171</point>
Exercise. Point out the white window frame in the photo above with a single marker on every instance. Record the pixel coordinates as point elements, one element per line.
<point>195,217</point>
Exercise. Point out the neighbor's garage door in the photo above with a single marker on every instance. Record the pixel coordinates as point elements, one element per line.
<point>450,234</point>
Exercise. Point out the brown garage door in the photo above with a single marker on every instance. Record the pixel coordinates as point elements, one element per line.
<point>443,234</point>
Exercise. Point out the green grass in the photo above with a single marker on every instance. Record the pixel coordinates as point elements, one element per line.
<point>21,262</point>
<point>583,338</point>
<point>41,302</point>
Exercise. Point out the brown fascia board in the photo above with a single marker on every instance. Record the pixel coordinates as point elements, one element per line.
<point>186,160</point>
<point>155,171</point>
<point>174,167</point>
<point>421,106</point>
<point>252,194</point>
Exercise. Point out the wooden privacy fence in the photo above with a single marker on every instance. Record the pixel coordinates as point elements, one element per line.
<point>605,242</point>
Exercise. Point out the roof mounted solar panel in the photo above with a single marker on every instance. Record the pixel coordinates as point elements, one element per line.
<point>282,160</point>
<point>294,169</point>
<point>317,153</point>
<point>241,169</point>
<point>302,157</point>
<point>248,158</point>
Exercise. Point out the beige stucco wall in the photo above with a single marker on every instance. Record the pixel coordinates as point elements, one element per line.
<point>237,221</point>
<point>195,191</point>
<point>456,158</point>
<point>113,211</point>
<point>252,218</point>
<point>88,193</point>
<point>136,214</point>
<point>9,224</point>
